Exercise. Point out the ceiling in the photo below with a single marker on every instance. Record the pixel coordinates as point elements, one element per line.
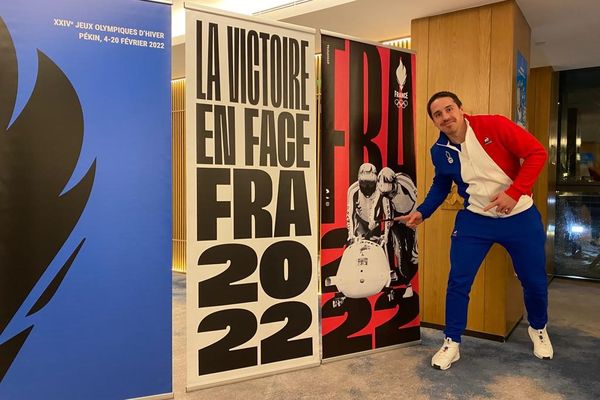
<point>564,34</point>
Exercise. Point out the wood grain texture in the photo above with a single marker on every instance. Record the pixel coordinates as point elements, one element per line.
<point>542,106</point>
<point>421,28</point>
<point>178,175</point>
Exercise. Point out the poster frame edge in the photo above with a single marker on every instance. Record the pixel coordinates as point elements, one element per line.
<point>365,41</point>
<point>190,5</point>
<point>169,3</point>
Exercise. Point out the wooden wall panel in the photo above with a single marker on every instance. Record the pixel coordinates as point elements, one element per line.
<point>497,269</point>
<point>402,43</point>
<point>178,157</point>
<point>538,126</point>
<point>539,110</point>
<point>502,62</point>
<point>542,109</point>
<point>420,28</point>
<point>458,60</point>
<point>522,36</point>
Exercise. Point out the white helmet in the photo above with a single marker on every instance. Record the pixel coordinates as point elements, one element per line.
<point>386,181</point>
<point>406,194</point>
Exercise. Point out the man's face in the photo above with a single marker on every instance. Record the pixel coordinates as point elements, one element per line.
<point>447,116</point>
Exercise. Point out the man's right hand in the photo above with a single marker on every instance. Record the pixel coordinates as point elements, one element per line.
<point>411,220</point>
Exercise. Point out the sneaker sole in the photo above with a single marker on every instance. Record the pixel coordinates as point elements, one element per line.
<point>542,357</point>
<point>443,368</point>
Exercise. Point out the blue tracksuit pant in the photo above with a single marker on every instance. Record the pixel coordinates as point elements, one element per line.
<point>523,237</point>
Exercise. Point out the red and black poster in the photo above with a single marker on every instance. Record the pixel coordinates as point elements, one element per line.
<point>369,263</point>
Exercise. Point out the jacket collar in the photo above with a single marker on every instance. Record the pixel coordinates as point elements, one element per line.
<point>443,139</point>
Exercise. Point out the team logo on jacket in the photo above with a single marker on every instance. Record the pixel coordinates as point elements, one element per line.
<point>487,140</point>
<point>449,157</point>
<point>400,97</point>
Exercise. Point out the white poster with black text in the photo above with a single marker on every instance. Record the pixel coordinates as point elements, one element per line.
<point>252,231</point>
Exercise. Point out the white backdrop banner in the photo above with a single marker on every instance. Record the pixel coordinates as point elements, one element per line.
<point>252,228</point>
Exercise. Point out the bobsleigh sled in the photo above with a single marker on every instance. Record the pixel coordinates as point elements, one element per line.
<point>363,271</point>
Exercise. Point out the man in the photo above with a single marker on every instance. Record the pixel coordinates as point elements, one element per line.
<point>402,251</point>
<point>494,163</point>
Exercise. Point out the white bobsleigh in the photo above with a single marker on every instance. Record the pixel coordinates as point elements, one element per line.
<point>363,271</point>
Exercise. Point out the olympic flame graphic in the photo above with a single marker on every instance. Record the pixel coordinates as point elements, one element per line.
<point>38,153</point>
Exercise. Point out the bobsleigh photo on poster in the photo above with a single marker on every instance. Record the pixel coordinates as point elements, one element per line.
<point>380,254</point>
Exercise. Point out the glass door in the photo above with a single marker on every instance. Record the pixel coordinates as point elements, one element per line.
<point>577,230</point>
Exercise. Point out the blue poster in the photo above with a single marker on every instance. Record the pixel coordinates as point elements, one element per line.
<point>521,111</point>
<point>85,199</point>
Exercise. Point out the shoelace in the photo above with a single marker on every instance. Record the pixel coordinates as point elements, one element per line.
<point>541,337</point>
<point>446,347</point>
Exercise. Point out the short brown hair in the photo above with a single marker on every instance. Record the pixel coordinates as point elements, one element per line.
<point>440,95</point>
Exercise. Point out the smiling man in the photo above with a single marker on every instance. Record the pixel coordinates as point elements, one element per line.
<point>494,163</point>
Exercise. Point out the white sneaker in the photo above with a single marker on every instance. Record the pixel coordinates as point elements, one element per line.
<point>408,293</point>
<point>542,348</point>
<point>445,356</point>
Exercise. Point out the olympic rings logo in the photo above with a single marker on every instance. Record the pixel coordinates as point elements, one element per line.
<point>401,103</point>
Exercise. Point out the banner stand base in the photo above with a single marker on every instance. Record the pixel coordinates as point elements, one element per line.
<point>163,396</point>
<point>373,351</point>
<point>247,378</point>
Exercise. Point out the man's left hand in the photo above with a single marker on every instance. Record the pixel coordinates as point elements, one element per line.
<point>504,203</point>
